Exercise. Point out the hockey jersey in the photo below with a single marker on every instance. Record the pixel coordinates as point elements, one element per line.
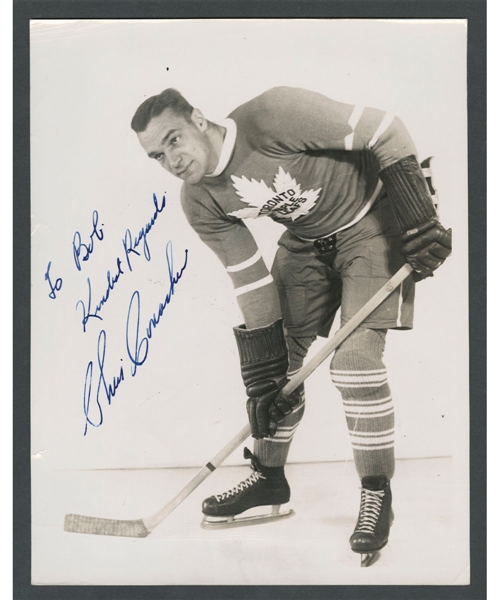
<point>300,158</point>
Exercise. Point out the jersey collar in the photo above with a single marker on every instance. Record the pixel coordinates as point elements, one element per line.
<point>227,147</point>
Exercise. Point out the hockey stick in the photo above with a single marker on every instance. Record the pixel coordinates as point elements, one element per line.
<point>143,527</point>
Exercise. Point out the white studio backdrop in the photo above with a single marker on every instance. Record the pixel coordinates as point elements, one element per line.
<point>186,399</point>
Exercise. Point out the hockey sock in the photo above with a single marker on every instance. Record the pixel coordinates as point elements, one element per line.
<point>273,451</point>
<point>359,374</point>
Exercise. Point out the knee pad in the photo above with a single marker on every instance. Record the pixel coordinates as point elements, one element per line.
<point>297,351</point>
<point>361,351</point>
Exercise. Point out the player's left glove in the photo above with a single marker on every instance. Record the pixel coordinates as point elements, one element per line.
<point>426,247</point>
<point>425,243</point>
<point>264,364</point>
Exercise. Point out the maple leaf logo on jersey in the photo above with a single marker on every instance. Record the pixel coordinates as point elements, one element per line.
<point>287,200</point>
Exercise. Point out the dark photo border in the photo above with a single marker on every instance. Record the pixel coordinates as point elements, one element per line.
<point>472,10</point>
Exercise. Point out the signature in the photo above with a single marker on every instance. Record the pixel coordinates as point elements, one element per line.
<point>109,389</point>
<point>137,346</point>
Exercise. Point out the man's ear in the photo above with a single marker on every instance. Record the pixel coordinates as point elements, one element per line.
<point>199,120</point>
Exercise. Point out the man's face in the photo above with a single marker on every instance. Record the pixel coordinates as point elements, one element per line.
<point>180,146</point>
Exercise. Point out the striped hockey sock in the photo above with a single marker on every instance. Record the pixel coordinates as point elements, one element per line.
<point>359,374</point>
<point>273,451</point>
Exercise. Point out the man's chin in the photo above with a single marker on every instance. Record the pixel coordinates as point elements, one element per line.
<point>192,178</point>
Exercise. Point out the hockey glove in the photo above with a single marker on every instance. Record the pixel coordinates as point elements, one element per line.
<point>426,247</point>
<point>425,243</point>
<point>264,363</point>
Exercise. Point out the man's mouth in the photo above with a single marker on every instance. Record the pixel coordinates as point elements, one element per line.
<point>183,170</point>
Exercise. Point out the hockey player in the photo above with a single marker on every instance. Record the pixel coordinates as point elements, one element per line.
<point>345,182</point>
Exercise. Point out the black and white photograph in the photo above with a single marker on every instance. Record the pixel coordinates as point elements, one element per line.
<point>249,302</point>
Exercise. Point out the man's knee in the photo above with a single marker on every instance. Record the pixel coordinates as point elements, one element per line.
<point>297,351</point>
<point>362,350</point>
<point>357,369</point>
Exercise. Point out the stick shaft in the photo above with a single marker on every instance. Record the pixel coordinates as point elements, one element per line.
<point>355,321</point>
<point>294,382</point>
<point>202,474</point>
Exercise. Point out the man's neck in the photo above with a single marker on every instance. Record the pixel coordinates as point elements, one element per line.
<point>216,135</point>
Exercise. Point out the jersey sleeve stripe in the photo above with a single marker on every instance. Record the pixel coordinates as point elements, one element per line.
<point>356,115</point>
<point>247,276</point>
<point>386,121</point>
<point>246,263</point>
<point>353,121</point>
<point>253,286</point>
<point>349,141</point>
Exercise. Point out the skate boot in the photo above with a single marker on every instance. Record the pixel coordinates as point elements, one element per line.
<point>265,486</point>
<point>375,519</point>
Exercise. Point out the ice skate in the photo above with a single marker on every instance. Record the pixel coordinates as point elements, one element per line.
<point>375,518</point>
<point>266,486</point>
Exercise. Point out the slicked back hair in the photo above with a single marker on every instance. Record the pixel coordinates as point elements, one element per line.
<point>152,107</point>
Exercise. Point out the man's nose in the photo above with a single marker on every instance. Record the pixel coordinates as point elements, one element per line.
<point>174,160</point>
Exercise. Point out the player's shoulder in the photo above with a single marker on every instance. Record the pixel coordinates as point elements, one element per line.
<point>263,116</point>
<point>276,96</point>
<point>274,106</point>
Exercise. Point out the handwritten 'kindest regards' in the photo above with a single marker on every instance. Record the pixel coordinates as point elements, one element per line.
<point>130,245</point>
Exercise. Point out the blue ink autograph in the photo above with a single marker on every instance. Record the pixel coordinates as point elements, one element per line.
<point>79,247</point>
<point>137,349</point>
<point>112,280</point>
<point>129,246</point>
<point>53,288</point>
<point>109,388</point>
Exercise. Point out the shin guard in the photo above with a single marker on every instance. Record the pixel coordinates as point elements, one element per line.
<point>359,374</point>
<point>273,451</point>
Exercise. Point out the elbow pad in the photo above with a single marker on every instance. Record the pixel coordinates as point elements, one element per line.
<point>408,192</point>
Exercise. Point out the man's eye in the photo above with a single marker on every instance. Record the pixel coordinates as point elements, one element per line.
<point>159,156</point>
<point>175,140</point>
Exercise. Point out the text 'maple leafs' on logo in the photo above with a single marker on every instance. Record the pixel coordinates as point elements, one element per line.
<point>287,200</point>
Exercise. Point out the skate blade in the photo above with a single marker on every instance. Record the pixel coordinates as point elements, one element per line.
<point>230,522</point>
<point>370,558</point>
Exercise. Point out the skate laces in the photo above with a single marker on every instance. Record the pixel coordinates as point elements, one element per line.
<point>249,481</point>
<point>369,512</point>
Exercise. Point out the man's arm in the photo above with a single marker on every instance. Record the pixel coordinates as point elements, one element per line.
<point>298,120</point>
<point>260,340</point>
<point>312,121</point>
<point>234,245</point>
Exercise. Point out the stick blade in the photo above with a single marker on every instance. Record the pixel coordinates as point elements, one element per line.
<point>97,526</point>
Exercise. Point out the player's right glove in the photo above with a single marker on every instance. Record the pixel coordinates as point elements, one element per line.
<point>425,243</point>
<point>264,364</point>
